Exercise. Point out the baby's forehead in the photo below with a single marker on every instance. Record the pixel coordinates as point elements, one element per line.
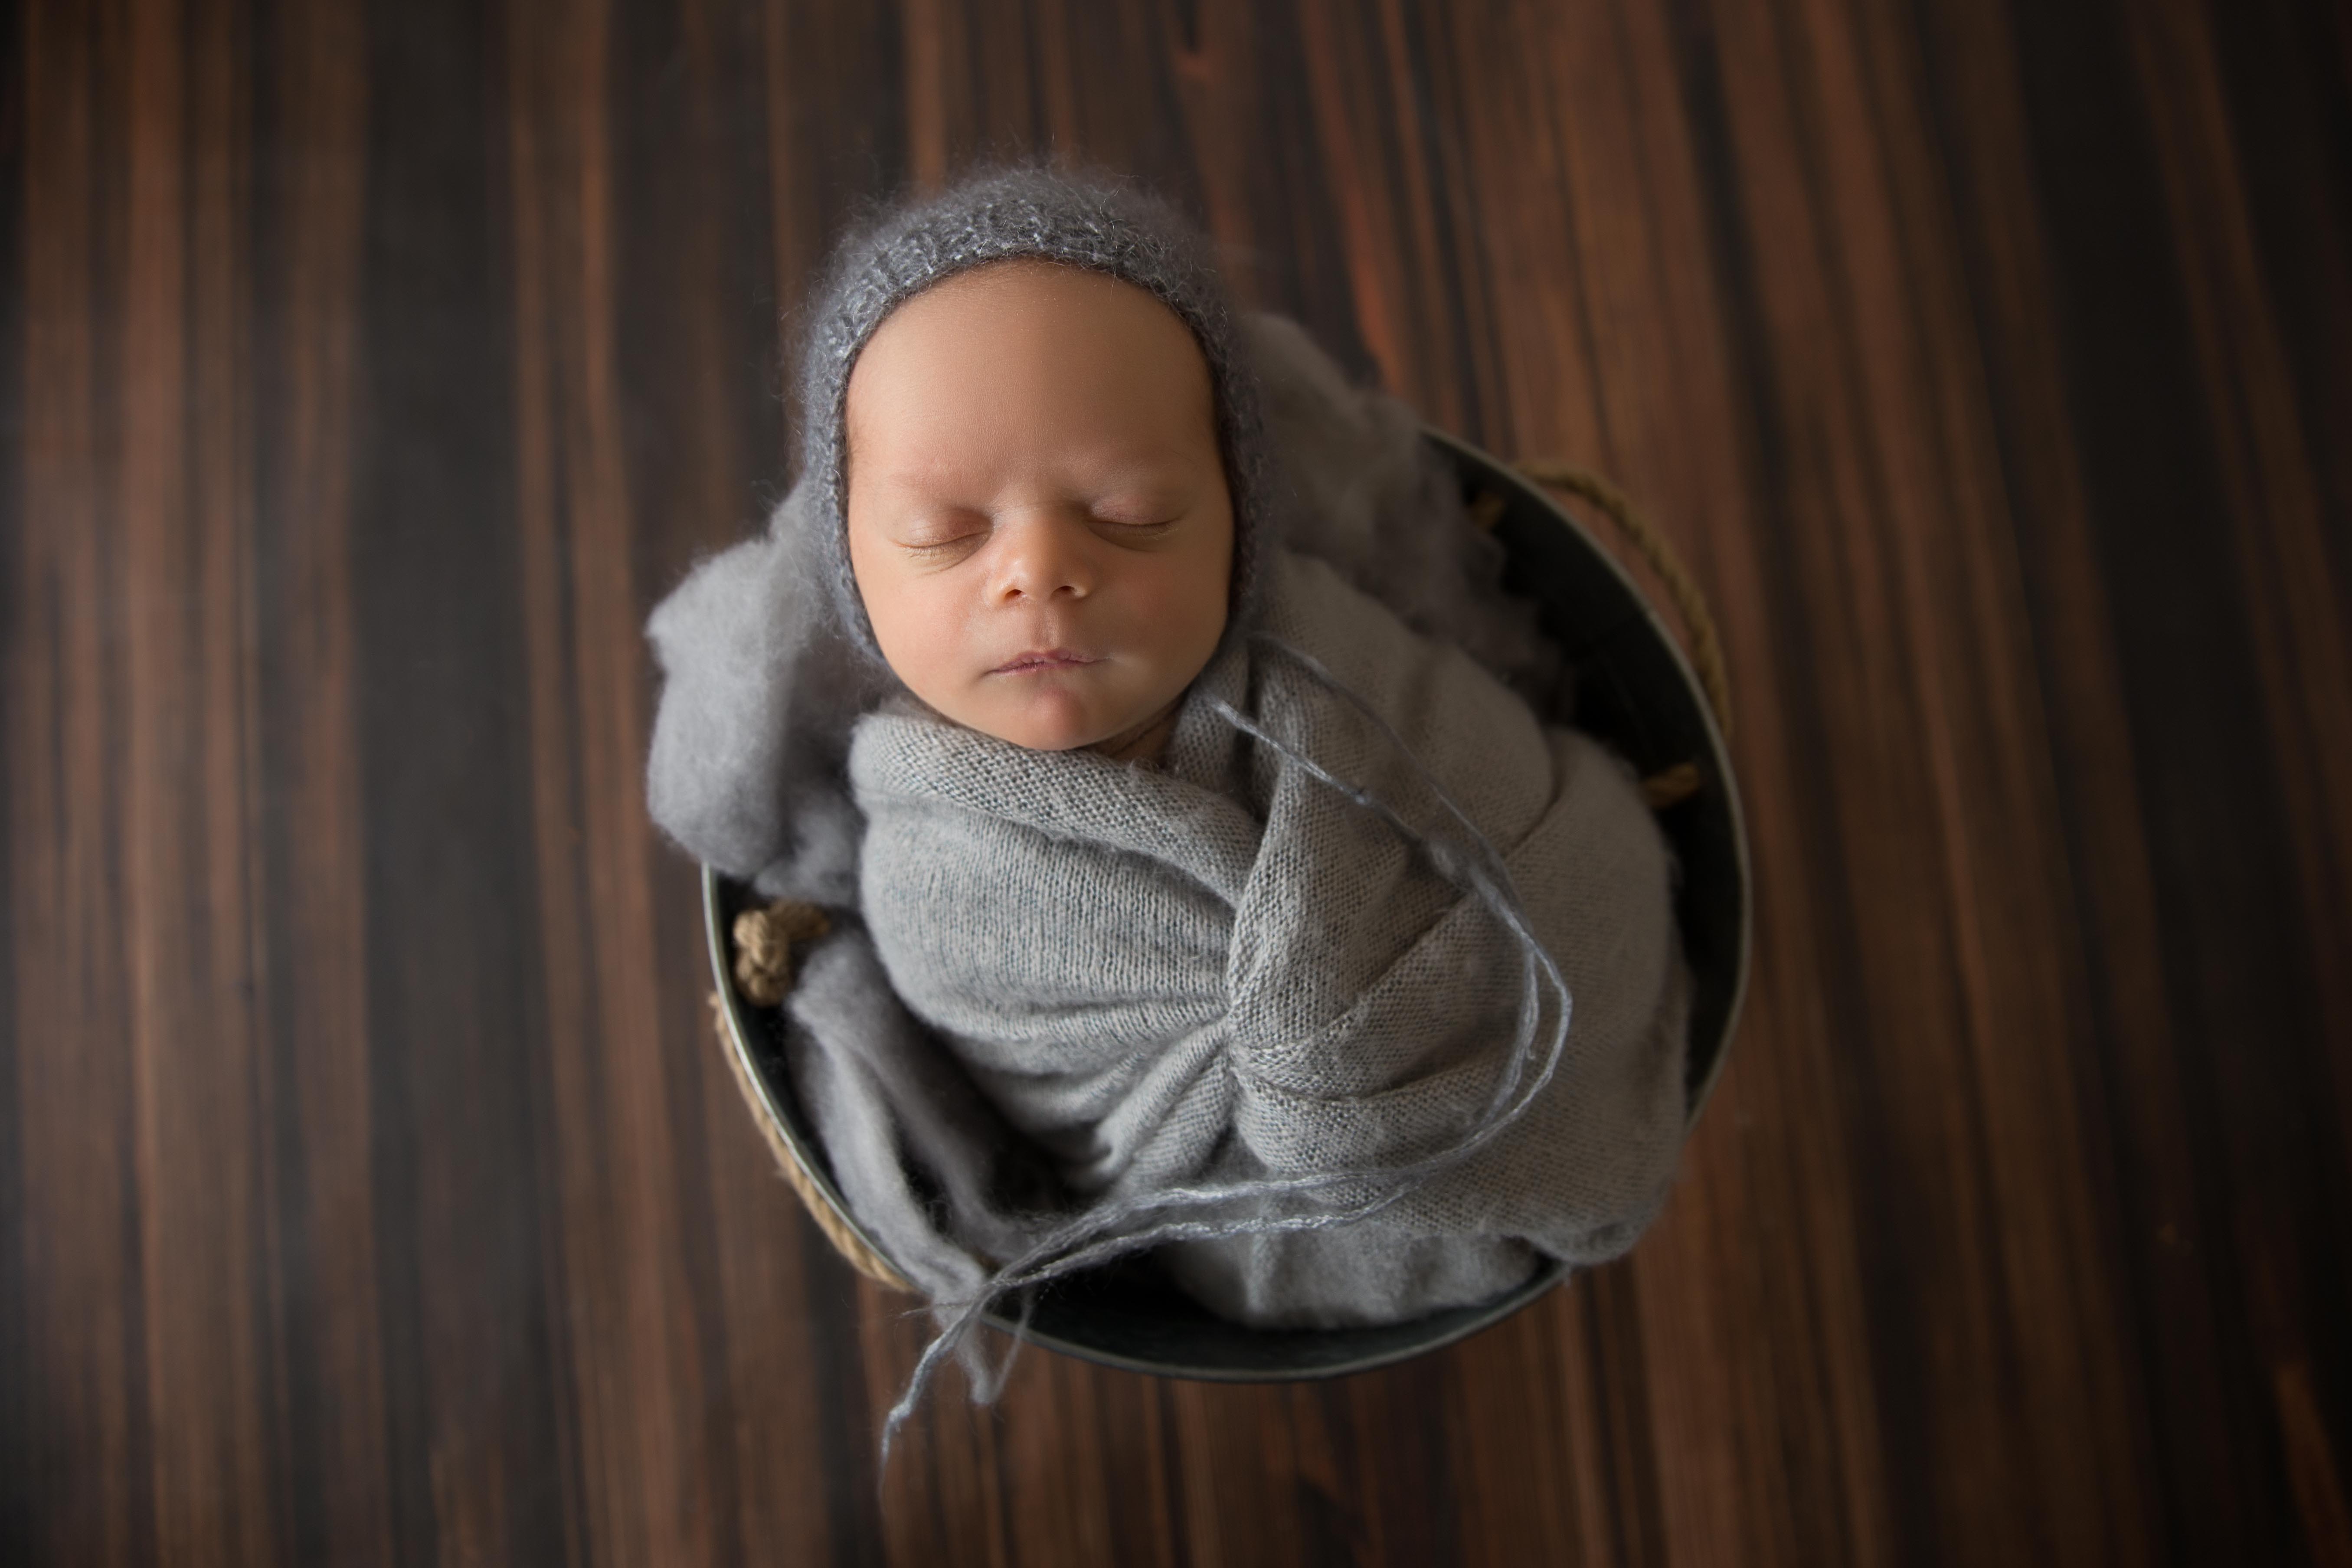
<point>1034,353</point>
<point>1010,314</point>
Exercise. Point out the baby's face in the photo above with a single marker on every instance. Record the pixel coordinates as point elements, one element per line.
<point>1038,516</point>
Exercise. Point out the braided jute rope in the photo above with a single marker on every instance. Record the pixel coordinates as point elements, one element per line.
<point>1698,621</point>
<point>846,1241</point>
<point>764,947</point>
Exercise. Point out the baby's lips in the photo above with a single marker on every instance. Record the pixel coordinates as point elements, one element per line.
<point>1040,661</point>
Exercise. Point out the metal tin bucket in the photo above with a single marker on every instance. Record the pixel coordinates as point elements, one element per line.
<point>1636,693</point>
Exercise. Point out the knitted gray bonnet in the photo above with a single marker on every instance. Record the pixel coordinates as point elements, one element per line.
<point>1040,214</point>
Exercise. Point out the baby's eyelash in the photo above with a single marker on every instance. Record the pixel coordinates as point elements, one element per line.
<point>965,532</point>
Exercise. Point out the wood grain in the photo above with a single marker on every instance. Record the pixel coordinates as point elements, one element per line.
<point>370,1190</point>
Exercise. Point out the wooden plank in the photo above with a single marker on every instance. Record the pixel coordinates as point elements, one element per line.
<point>370,1189</point>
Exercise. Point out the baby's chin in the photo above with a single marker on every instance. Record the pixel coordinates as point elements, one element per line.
<point>1050,718</point>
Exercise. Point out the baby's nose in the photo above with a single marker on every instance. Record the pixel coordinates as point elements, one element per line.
<point>1041,555</point>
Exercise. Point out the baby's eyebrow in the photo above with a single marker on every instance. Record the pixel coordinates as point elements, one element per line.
<point>930,480</point>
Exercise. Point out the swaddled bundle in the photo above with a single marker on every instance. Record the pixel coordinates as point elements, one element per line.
<point>1360,990</point>
<point>1225,969</point>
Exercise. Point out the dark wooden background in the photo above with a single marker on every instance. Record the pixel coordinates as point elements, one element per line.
<point>371,1191</point>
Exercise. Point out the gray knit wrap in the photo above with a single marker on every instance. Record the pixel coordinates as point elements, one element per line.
<point>1039,215</point>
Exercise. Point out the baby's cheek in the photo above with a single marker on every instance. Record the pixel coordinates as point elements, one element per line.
<point>919,635</point>
<point>1183,614</point>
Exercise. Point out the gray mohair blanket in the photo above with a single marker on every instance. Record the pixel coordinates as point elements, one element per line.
<point>1221,968</point>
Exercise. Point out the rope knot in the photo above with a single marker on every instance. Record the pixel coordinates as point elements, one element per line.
<point>764,947</point>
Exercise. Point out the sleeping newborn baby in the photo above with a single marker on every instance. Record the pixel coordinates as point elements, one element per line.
<point>1285,931</point>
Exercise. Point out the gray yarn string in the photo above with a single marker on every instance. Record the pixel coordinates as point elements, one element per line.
<point>1101,1234</point>
<point>1489,875</point>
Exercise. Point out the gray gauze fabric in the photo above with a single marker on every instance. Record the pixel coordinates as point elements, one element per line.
<point>1223,968</point>
<point>748,773</point>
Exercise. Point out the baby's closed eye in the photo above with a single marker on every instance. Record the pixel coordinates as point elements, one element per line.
<point>1139,515</point>
<point>940,532</point>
